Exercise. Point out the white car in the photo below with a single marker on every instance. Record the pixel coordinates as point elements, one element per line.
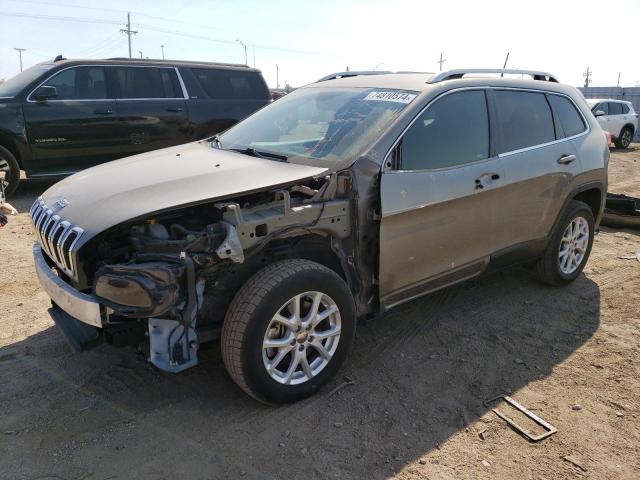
<point>616,117</point>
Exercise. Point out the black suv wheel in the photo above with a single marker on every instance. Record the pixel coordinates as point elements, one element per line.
<point>10,170</point>
<point>288,331</point>
<point>570,245</point>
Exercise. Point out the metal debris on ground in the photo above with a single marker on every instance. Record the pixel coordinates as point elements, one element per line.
<point>549,429</point>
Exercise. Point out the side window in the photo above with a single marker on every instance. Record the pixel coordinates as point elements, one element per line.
<point>524,119</point>
<point>231,84</point>
<point>615,108</point>
<point>603,107</point>
<point>147,82</point>
<point>453,131</point>
<point>570,120</point>
<point>80,83</point>
<point>625,108</point>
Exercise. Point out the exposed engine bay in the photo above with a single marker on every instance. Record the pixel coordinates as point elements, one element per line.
<point>168,279</point>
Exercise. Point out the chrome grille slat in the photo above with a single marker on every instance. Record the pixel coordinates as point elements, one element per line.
<point>57,237</point>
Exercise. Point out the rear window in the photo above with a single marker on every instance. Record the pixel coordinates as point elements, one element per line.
<point>625,108</point>
<point>570,120</point>
<point>524,119</point>
<point>232,84</point>
<point>615,108</point>
<point>147,82</point>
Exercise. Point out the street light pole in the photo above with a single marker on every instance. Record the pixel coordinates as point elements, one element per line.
<point>20,50</point>
<point>162,47</point>
<point>140,52</point>
<point>245,50</point>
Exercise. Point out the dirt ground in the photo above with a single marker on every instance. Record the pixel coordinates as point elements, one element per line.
<point>414,409</point>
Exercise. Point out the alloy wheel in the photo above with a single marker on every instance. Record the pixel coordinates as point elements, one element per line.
<point>626,138</point>
<point>301,338</point>
<point>573,245</point>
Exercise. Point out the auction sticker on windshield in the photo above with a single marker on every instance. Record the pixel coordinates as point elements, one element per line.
<point>399,97</point>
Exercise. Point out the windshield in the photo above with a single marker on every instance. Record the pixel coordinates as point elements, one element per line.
<point>318,125</point>
<point>15,85</point>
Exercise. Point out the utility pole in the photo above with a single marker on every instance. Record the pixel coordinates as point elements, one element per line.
<point>441,61</point>
<point>277,76</point>
<point>128,31</point>
<point>619,79</point>
<point>587,77</point>
<point>162,47</point>
<point>20,50</point>
<point>245,50</point>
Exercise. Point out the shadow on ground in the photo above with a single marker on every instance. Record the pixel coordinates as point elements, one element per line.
<point>420,373</point>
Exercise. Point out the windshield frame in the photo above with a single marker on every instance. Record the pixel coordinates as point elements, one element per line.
<point>24,79</point>
<point>332,164</point>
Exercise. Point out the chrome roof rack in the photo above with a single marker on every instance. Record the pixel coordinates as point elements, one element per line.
<point>454,74</point>
<point>353,73</point>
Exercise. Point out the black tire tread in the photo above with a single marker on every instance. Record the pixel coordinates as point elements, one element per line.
<point>243,306</point>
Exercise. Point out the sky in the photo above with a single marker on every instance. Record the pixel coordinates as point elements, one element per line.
<point>309,39</point>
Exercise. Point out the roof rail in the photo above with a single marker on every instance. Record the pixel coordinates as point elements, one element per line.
<point>186,62</point>
<point>354,73</point>
<point>454,74</point>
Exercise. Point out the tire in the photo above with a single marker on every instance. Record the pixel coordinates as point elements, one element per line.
<point>624,140</point>
<point>9,165</point>
<point>557,269</point>
<point>250,328</point>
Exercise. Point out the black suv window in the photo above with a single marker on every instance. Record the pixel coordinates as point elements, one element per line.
<point>147,82</point>
<point>453,131</point>
<point>570,120</point>
<point>230,83</point>
<point>615,108</point>
<point>625,108</point>
<point>79,83</point>
<point>524,119</point>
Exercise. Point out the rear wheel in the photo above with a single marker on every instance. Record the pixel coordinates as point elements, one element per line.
<point>570,245</point>
<point>624,140</point>
<point>288,331</point>
<point>9,171</point>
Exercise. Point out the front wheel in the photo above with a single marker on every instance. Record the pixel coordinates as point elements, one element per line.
<point>569,247</point>
<point>9,171</point>
<point>625,138</point>
<point>288,331</point>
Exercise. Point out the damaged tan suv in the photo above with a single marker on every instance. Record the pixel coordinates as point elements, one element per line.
<point>341,200</point>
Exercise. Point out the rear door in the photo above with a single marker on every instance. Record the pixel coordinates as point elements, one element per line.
<point>439,205</point>
<point>616,118</point>
<point>219,97</point>
<point>539,162</point>
<point>151,108</point>
<point>77,129</point>
<point>603,119</point>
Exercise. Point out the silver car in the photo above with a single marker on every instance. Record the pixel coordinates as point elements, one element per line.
<point>341,200</point>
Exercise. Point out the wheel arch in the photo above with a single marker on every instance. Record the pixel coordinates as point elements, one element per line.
<point>631,126</point>
<point>592,193</point>
<point>9,145</point>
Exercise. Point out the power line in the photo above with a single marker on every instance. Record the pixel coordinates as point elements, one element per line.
<point>59,18</point>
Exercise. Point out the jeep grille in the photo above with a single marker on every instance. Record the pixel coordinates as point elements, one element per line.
<point>57,237</point>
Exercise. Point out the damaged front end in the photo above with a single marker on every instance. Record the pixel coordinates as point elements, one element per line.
<point>168,280</point>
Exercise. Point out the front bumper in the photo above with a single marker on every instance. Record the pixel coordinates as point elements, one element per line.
<point>82,307</point>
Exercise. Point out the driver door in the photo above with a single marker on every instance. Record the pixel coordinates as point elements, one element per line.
<point>440,220</point>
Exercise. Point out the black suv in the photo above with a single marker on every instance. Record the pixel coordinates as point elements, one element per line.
<point>59,117</point>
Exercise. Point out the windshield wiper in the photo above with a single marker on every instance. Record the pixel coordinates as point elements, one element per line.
<point>256,153</point>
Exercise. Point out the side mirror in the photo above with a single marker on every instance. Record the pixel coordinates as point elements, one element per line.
<point>599,113</point>
<point>45,92</point>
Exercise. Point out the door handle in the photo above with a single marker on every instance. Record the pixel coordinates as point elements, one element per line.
<point>480,185</point>
<point>174,109</point>
<point>106,111</point>
<point>566,159</point>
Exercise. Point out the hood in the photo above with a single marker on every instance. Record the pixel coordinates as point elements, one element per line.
<point>107,195</point>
